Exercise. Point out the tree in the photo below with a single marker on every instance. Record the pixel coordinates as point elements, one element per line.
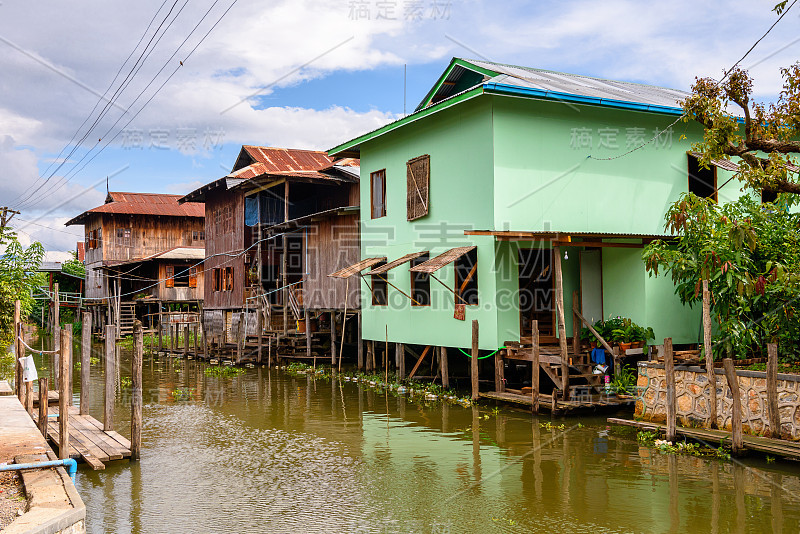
<point>765,137</point>
<point>18,276</point>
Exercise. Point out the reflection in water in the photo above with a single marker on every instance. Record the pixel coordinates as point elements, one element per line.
<point>267,452</point>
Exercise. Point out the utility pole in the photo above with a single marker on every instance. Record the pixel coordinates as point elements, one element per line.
<point>6,214</point>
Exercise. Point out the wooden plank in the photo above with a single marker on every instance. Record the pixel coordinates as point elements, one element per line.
<point>64,394</point>
<point>110,379</point>
<point>77,450</point>
<point>43,405</point>
<point>136,393</point>
<point>499,378</point>
<point>116,436</point>
<point>576,331</point>
<point>419,361</point>
<point>86,352</point>
<point>443,364</point>
<point>107,448</point>
<point>562,333</point>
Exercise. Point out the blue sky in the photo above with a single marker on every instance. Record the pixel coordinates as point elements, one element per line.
<point>321,74</point>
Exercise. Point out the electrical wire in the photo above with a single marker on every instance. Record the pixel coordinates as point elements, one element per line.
<point>683,115</point>
<point>73,173</point>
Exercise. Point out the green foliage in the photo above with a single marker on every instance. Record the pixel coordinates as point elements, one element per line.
<point>624,383</point>
<point>223,371</point>
<point>18,276</point>
<point>649,438</point>
<point>750,254</point>
<point>618,329</point>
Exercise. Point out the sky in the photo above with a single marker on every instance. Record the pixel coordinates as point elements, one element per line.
<point>159,96</point>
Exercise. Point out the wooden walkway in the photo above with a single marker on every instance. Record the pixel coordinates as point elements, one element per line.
<point>87,439</point>
<point>778,447</point>
<point>587,403</point>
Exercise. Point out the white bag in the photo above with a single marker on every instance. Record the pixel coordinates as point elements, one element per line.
<point>29,373</point>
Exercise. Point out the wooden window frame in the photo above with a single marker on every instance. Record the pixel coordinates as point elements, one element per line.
<point>170,276</point>
<point>459,284</point>
<point>417,277</point>
<point>193,277</point>
<point>379,281</point>
<point>228,278</point>
<point>715,195</point>
<point>372,176</point>
<point>418,187</point>
<point>217,279</point>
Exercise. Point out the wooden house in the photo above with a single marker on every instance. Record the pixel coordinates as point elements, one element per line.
<point>143,255</point>
<point>275,227</point>
<point>513,195</point>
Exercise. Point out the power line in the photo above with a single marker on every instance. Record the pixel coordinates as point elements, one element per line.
<point>71,175</point>
<point>683,115</point>
<point>109,102</point>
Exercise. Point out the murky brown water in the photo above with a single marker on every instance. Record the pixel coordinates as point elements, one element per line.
<point>267,452</point>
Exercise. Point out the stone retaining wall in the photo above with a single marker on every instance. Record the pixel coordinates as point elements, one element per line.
<point>692,391</point>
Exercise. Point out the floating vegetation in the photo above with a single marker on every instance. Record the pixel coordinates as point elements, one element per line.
<point>411,388</point>
<point>223,372</point>
<point>125,382</point>
<point>182,394</point>
<point>92,361</point>
<point>550,426</point>
<point>652,439</point>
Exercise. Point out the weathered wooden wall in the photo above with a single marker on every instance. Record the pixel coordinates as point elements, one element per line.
<point>332,244</point>
<point>162,292</point>
<point>224,236</point>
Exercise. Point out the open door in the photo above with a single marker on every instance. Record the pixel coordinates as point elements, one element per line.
<point>537,293</point>
<point>591,285</point>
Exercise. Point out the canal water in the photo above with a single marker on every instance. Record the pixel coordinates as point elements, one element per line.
<point>268,452</point>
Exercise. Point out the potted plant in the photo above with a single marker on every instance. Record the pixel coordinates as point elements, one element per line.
<point>586,335</point>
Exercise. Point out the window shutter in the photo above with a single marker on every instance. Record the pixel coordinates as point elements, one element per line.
<point>170,282</point>
<point>418,181</point>
<point>192,276</point>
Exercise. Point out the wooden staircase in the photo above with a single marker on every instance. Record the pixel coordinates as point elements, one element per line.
<point>127,315</point>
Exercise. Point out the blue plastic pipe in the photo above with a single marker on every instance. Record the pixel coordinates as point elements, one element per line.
<point>69,463</point>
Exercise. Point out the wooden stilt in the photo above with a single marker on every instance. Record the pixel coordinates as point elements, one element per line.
<point>186,339</point>
<point>772,391</point>
<point>86,357</point>
<point>260,329</point>
<point>29,398</point>
<point>64,394</point>
<point>136,394</point>
<point>535,367</point>
<point>333,338</point>
<point>400,359</point>
<point>43,402</point>
<point>110,377</point>
<point>709,357</point>
<point>444,368</point>
<point>370,355</point>
<point>499,371</point>
<point>239,342</point>
<point>19,352</point>
<point>737,441</point>
<point>669,372</point>
<point>474,360</point>
<point>576,326</point>
<point>56,337</point>
<point>562,329</point>
<point>307,320</point>
<point>160,328</point>
<point>360,342</point>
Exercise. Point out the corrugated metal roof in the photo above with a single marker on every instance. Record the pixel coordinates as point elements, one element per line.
<point>576,84</point>
<point>356,268</point>
<point>399,261</point>
<point>434,264</point>
<point>287,159</point>
<point>118,203</point>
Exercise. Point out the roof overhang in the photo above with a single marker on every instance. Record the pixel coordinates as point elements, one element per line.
<point>396,263</point>
<point>299,222</point>
<point>356,268</point>
<point>446,258</point>
<point>574,239</point>
<point>199,194</point>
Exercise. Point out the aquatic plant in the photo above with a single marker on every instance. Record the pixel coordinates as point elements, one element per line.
<point>182,394</point>
<point>624,383</point>
<point>220,371</point>
<point>125,382</point>
<point>652,439</point>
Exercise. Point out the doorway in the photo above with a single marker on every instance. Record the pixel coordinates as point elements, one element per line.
<point>537,293</point>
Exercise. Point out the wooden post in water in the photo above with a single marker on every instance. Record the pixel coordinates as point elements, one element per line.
<point>474,359</point>
<point>772,391</point>
<point>29,398</point>
<point>196,345</point>
<point>186,339</point>
<point>160,328</point>
<point>562,329</point>
<point>535,366</point>
<point>260,328</point>
<point>64,394</point>
<point>43,401</point>
<point>669,373</point>
<point>239,331</point>
<point>360,343</point>
<point>443,367</point>
<point>737,441</point>
<point>370,355</point>
<point>110,377</point>
<point>400,357</point>
<point>499,372</point>
<point>136,394</point>
<point>333,338</point>
<point>68,376</point>
<point>56,337</point>
<point>576,326</point>
<point>18,353</point>
<point>709,357</point>
<point>307,321</point>
<point>86,356</point>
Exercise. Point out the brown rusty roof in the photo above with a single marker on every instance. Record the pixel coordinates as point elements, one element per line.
<point>434,264</point>
<point>288,159</point>
<point>118,203</point>
<point>356,268</point>
<point>399,261</point>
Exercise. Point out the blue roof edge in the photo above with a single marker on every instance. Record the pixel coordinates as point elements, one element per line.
<point>515,90</point>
